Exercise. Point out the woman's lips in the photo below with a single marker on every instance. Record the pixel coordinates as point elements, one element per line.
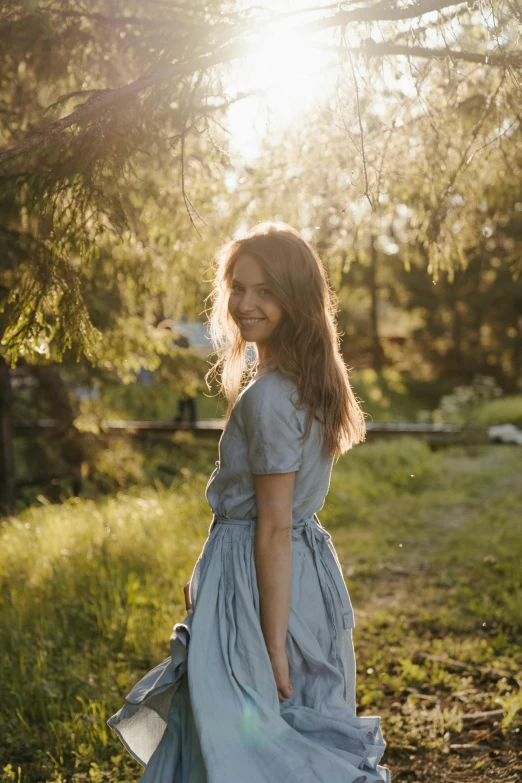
<point>250,321</point>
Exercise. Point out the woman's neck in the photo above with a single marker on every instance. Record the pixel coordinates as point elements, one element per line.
<point>265,366</point>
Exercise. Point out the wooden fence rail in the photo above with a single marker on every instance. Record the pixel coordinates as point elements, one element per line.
<point>432,433</point>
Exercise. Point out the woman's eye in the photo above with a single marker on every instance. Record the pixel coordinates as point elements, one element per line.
<point>261,291</point>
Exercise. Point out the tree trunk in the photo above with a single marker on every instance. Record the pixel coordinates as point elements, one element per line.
<point>69,439</point>
<point>517,358</point>
<point>377,350</point>
<point>7,468</point>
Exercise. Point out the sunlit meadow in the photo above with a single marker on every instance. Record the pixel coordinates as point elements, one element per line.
<point>430,547</point>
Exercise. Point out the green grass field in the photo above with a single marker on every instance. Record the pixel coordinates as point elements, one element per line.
<point>431,547</point>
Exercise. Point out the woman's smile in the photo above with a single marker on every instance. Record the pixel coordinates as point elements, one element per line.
<point>249,321</point>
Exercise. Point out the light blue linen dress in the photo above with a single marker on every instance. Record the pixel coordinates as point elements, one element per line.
<point>210,712</point>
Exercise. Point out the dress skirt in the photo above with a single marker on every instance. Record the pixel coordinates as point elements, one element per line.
<point>210,712</point>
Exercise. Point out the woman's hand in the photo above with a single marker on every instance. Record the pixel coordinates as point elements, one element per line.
<point>186,590</point>
<point>279,661</point>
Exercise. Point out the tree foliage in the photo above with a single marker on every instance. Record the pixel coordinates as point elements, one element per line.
<point>110,109</point>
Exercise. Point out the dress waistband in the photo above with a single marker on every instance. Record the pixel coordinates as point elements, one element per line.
<point>325,556</point>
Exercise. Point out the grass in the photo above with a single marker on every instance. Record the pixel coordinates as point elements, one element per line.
<point>431,549</point>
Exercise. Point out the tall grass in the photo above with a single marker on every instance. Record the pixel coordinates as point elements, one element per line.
<point>89,594</point>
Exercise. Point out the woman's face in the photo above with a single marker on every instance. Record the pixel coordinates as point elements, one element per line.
<point>252,304</point>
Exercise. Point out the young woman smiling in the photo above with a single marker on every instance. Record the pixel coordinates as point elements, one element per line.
<point>260,684</point>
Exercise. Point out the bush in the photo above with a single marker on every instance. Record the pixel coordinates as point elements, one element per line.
<point>507,410</point>
<point>461,405</point>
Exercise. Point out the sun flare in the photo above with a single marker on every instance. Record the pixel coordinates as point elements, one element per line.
<point>285,72</point>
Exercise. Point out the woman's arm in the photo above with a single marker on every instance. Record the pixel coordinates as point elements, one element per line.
<point>273,558</point>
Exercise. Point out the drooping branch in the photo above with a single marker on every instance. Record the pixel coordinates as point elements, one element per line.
<point>381,11</point>
<point>118,21</point>
<point>109,98</point>
<point>382,48</point>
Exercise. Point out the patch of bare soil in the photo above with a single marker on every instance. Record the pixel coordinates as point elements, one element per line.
<point>499,761</point>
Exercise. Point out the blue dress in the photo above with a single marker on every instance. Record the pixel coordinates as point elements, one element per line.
<point>210,712</point>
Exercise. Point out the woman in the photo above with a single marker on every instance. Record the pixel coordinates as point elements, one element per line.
<point>260,684</point>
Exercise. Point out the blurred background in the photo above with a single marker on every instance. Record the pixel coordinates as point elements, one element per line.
<point>136,138</point>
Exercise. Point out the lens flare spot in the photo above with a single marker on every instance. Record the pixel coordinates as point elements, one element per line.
<point>272,312</point>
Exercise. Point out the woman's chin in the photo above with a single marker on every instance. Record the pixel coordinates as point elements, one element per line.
<point>252,333</point>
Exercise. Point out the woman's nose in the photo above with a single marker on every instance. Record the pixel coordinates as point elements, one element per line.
<point>246,303</point>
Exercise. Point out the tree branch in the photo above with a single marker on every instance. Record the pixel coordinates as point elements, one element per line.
<point>381,11</point>
<point>110,98</point>
<point>379,49</point>
<point>119,21</point>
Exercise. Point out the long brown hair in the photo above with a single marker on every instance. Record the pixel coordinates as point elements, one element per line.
<point>305,344</point>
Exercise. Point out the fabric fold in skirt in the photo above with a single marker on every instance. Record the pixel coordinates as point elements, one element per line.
<point>210,712</point>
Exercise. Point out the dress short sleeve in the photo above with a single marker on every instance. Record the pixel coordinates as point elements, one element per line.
<point>273,426</point>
